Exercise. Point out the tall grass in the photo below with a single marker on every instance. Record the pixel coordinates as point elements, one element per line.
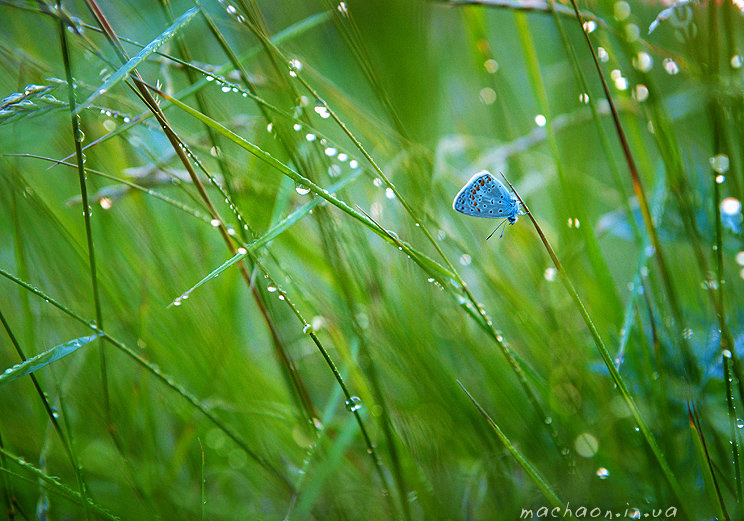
<point>227,228</point>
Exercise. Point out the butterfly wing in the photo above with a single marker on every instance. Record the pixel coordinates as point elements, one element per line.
<point>485,196</point>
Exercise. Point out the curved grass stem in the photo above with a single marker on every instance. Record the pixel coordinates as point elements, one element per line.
<point>607,359</point>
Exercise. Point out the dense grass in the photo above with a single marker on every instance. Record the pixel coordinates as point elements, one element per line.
<point>280,314</point>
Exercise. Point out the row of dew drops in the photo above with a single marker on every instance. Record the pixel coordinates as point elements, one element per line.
<point>32,100</point>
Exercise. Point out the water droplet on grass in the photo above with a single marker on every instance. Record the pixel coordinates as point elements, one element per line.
<point>590,26</point>
<point>670,66</point>
<point>731,206</point>
<point>720,163</point>
<point>353,404</point>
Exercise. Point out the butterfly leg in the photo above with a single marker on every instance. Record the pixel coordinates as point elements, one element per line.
<point>502,223</point>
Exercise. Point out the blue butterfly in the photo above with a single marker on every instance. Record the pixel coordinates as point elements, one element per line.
<point>486,196</point>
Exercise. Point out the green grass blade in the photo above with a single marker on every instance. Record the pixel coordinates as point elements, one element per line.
<point>122,72</point>
<point>56,486</point>
<point>532,472</point>
<point>45,358</point>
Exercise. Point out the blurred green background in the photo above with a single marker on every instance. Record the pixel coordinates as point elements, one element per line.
<point>227,403</point>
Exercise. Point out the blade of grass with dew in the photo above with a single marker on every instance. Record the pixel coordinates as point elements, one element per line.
<point>123,71</point>
<point>351,401</point>
<point>56,485</point>
<point>297,178</point>
<point>541,483</point>
<point>167,380</point>
<point>69,450</point>
<point>77,136</point>
<point>276,230</point>
<point>734,430</point>
<point>44,359</point>
<point>609,362</point>
<point>283,36</point>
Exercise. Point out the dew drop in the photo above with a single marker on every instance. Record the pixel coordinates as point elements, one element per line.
<point>330,151</point>
<point>242,251</point>
<point>487,96</point>
<point>465,259</point>
<point>641,92</point>
<point>310,137</point>
<point>540,120</point>
<point>670,66</point>
<point>590,26</point>
<point>353,404</point>
<point>491,66</point>
<point>302,190</point>
<point>297,127</point>
<point>643,61</point>
<point>603,473</point>
<point>270,288</point>
<point>389,193</point>
<point>322,110</point>
<point>622,10</point>
<point>295,65</point>
<point>584,98</point>
<point>550,274</point>
<point>354,164</point>
<point>602,54</point>
<point>215,222</point>
<point>731,206</point>
<point>720,163</point>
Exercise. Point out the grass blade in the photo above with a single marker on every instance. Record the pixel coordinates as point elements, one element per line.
<point>44,359</point>
<point>123,71</point>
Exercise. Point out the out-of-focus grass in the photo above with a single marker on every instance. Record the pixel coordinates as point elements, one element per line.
<point>320,373</point>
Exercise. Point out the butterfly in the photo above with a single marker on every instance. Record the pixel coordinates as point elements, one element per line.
<point>486,196</point>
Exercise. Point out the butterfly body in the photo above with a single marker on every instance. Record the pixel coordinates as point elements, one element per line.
<point>486,196</point>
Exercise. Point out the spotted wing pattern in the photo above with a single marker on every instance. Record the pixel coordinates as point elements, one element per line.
<point>486,196</point>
